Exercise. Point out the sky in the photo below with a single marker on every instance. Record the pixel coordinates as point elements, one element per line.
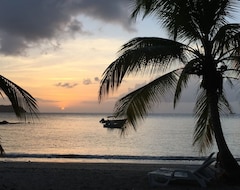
<point>57,50</point>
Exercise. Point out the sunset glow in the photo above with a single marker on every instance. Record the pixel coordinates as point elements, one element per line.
<point>62,65</point>
<point>70,75</point>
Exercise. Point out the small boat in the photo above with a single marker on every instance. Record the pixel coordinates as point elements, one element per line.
<point>113,123</point>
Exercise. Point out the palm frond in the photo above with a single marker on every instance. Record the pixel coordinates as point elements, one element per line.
<point>203,133</point>
<point>21,100</point>
<point>171,13</point>
<point>193,67</point>
<point>182,83</point>
<point>233,64</point>
<point>223,104</point>
<point>152,53</point>
<point>187,18</point>
<point>137,104</point>
<point>227,41</point>
<point>139,56</point>
<point>146,6</point>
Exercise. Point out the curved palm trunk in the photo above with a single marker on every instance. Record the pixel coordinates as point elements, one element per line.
<point>211,84</point>
<point>225,156</point>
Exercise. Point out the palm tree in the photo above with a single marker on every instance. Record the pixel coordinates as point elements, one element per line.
<point>202,43</point>
<point>22,102</point>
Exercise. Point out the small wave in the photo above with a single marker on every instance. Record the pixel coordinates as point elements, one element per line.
<point>108,157</point>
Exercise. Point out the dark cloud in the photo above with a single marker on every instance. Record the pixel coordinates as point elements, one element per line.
<point>114,11</point>
<point>24,23</point>
<point>66,85</point>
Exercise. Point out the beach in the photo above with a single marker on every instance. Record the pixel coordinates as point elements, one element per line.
<point>72,176</point>
<point>72,152</point>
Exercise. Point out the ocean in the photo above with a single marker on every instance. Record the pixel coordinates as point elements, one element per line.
<point>69,137</point>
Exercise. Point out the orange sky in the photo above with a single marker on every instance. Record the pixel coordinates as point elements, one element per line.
<point>67,79</point>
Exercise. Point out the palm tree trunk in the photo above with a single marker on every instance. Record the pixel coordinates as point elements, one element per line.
<point>226,159</point>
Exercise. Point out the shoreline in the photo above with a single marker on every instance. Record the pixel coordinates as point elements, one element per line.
<point>71,176</point>
<point>99,158</point>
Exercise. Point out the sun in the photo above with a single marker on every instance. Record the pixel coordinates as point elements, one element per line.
<point>62,108</point>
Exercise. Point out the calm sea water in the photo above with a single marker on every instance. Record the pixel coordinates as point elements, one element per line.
<point>78,137</point>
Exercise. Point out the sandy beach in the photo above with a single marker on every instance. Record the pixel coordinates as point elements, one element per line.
<point>72,176</point>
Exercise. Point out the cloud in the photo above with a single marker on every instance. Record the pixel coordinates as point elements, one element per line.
<point>66,85</point>
<point>114,11</point>
<point>96,79</point>
<point>46,100</point>
<point>28,23</point>
<point>87,81</point>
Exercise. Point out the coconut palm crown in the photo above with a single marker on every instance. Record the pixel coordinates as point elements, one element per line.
<point>202,43</point>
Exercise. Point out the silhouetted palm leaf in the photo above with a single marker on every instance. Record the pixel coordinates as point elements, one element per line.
<point>203,133</point>
<point>141,55</point>
<point>21,100</point>
<point>137,104</point>
<point>191,68</point>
